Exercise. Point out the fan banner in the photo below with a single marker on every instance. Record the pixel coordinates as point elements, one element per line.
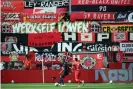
<point>122,27</point>
<point>103,2</point>
<point>90,60</point>
<point>48,6</point>
<point>120,56</point>
<point>119,36</point>
<point>43,39</point>
<point>100,8</point>
<point>12,6</point>
<point>40,18</point>
<point>126,47</point>
<point>91,15</point>
<point>124,16</point>
<point>11,17</point>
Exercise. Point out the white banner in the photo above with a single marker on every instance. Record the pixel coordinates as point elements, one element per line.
<point>126,47</point>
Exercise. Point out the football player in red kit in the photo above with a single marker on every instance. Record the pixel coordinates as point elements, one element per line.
<point>77,67</point>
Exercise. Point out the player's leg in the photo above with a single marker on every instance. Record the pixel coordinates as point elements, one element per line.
<point>61,79</point>
<point>77,77</point>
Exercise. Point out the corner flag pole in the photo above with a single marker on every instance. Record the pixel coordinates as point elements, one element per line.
<point>43,70</point>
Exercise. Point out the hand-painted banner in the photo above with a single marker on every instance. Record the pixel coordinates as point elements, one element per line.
<point>40,18</point>
<point>12,6</point>
<point>90,61</point>
<point>119,36</point>
<point>11,17</point>
<point>27,27</point>
<point>123,27</point>
<point>103,2</point>
<point>47,58</point>
<point>43,39</point>
<point>126,47</point>
<point>91,16</point>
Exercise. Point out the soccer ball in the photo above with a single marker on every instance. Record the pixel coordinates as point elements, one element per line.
<point>110,82</point>
<point>12,81</point>
<point>69,81</point>
<point>56,84</point>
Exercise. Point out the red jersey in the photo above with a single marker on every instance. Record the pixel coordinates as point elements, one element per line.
<point>76,65</point>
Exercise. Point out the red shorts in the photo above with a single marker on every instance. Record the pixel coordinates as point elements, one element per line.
<point>77,75</point>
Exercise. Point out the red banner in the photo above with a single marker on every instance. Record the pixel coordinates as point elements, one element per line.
<point>11,17</point>
<point>41,18</point>
<point>120,56</point>
<point>12,5</point>
<point>119,36</point>
<point>60,12</point>
<point>43,39</point>
<point>86,37</point>
<point>103,2</point>
<point>7,59</point>
<point>90,60</point>
<point>91,16</point>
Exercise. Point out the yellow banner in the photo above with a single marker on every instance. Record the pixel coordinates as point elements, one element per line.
<point>117,28</point>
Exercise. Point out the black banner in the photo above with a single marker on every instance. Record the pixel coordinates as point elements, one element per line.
<point>14,38</point>
<point>121,16</point>
<point>46,3</point>
<point>101,8</point>
<point>102,47</point>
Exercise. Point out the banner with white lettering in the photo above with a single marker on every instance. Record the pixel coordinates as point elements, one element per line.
<point>28,27</point>
<point>100,9</point>
<point>12,10</point>
<point>122,16</point>
<point>76,16</point>
<point>102,47</point>
<point>40,18</point>
<point>67,47</point>
<point>103,37</point>
<point>101,6</point>
<point>78,37</point>
<point>47,7</point>
<point>127,47</point>
<point>90,60</point>
<point>102,2</point>
<point>11,16</point>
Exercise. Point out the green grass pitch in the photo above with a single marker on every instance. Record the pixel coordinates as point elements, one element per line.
<point>67,86</point>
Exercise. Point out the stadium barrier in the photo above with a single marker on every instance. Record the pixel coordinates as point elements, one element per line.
<point>90,76</point>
